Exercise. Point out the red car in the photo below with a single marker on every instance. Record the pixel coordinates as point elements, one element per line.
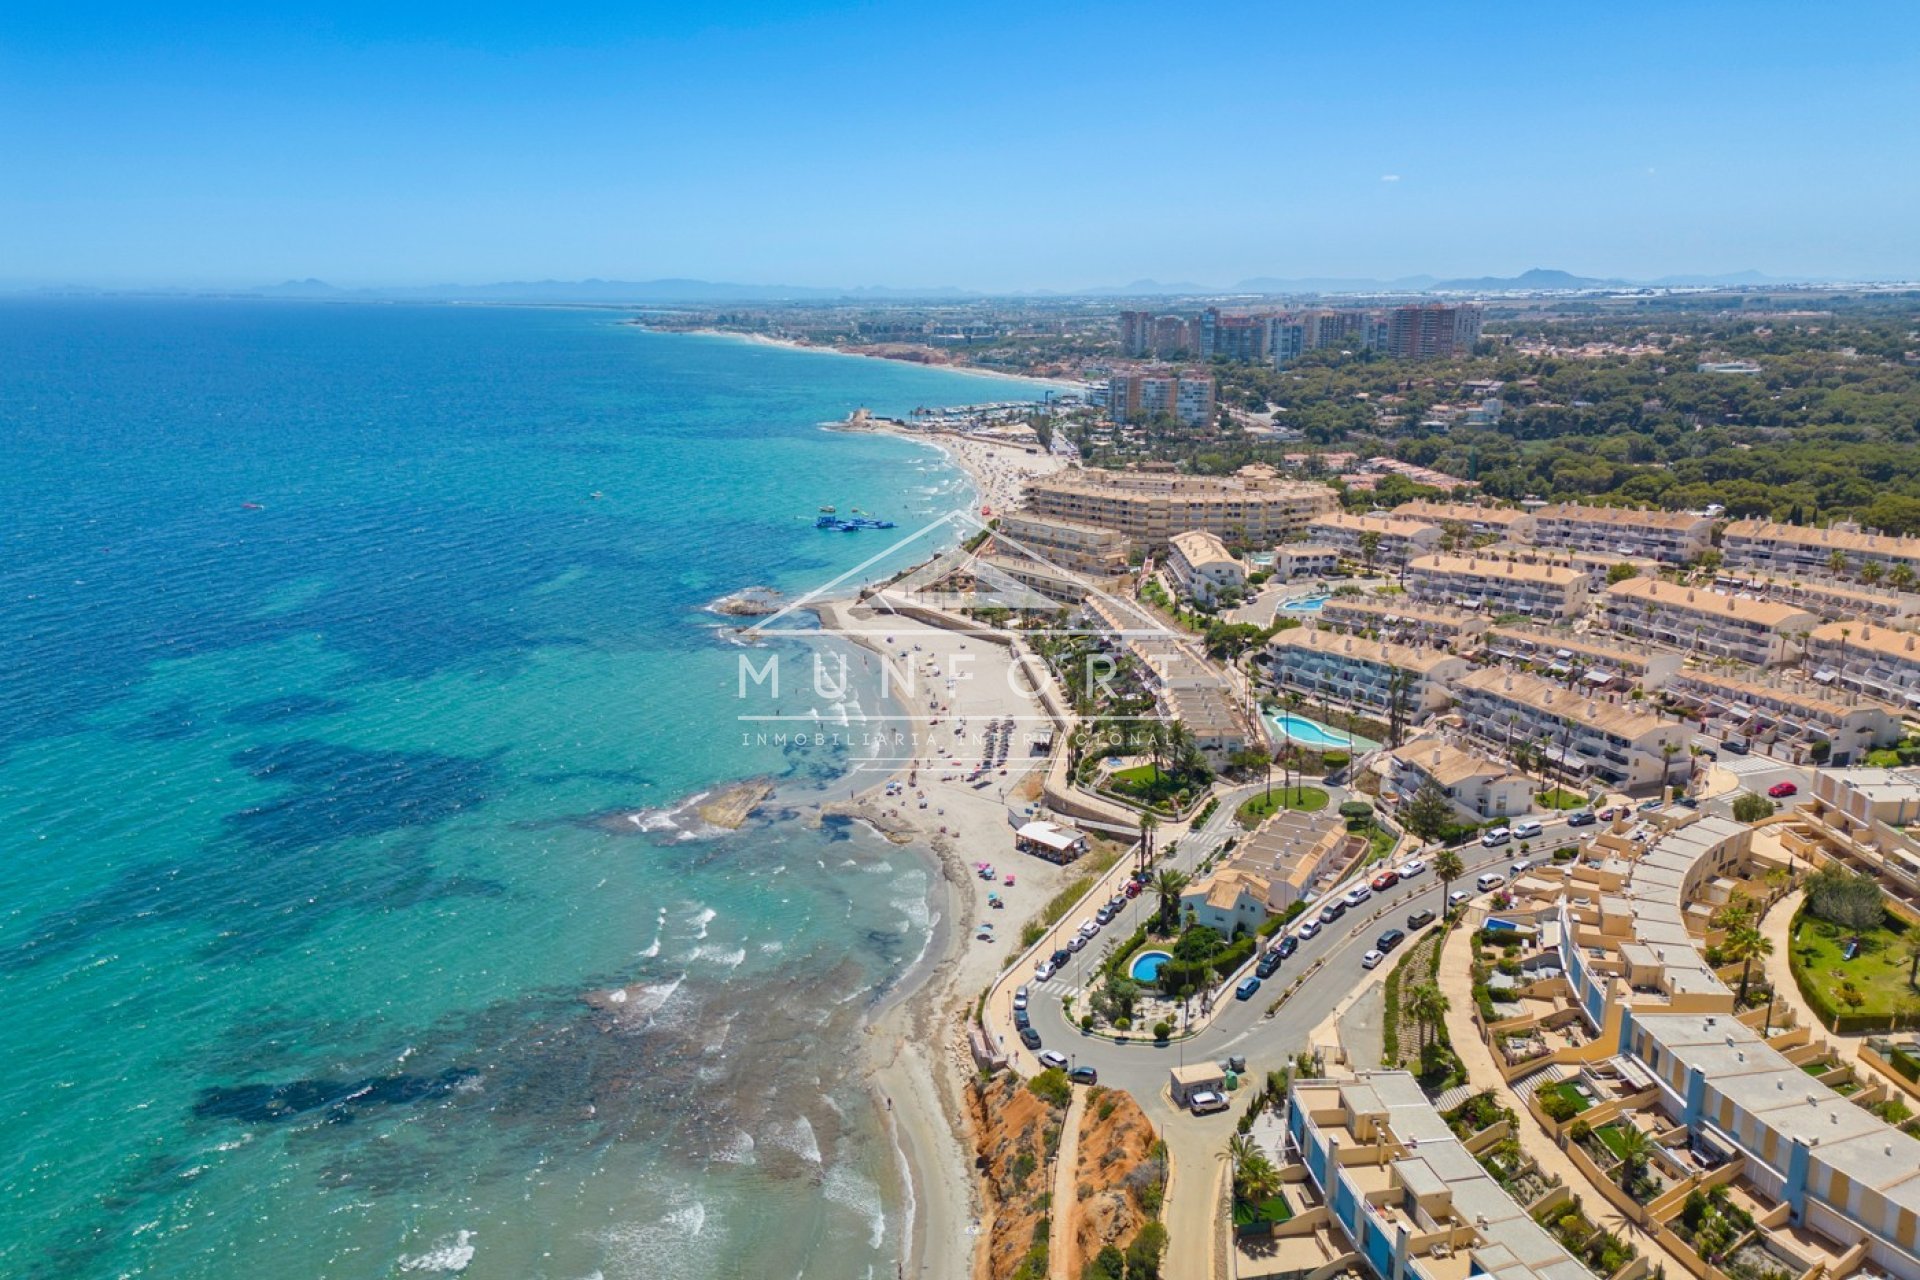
<point>1385,880</point>
<point>1781,790</point>
<point>1133,889</point>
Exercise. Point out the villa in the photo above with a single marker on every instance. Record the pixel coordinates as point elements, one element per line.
<point>1202,567</point>
<point>1477,787</point>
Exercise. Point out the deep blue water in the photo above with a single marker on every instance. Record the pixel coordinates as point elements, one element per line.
<point>340,641</point>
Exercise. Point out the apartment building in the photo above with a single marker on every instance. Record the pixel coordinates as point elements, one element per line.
<point>1497,586</point>
<point>1670,537</point>
<point>1759,632</point>
<point>1151,504</point>
<point>1292,560</point>
<point>1091,549</point>
<point>1797,549</point>
<point>1789,716</point>
<point>1504,523</point>
<point>1477,787</point>
<point>1362,672</point>
<point>1598,567</point>
<point>1201,566</point>
<point>1869,818</point>
<point>1824,596</point>
<point>1582,734</point>
<point>1395,540</point>
<point>1242,338</point>
<point>1406,621</point>
<point>1867,659</point>
<point>1589,662</point>
<point>1142,397</point>
<point>1433,331</point>
<point>1298,855</point>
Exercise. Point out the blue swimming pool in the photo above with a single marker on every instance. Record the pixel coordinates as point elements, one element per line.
<point>1311,733</point>
<point>1146,965</point>
<point>1310,604</point>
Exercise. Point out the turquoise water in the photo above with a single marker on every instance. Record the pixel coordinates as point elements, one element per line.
<point>1146,965</point>
<point>1309,604</point>
<point>351,927</point>
<point>1311,733</point>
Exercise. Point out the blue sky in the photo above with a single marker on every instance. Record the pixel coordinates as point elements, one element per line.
<point>986,146</point>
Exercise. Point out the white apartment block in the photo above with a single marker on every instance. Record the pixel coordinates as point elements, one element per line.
<point>1201,566</point>
<point>1504,523</point>
<point>1067,544</point>
<point>1395,540</point>
<point>1596,566</point>
<point>1826,597</point>
<point>1671,537</point>
<point>1868,659</point>
<point>1789,717</point>
<point>1583,735</point>
<point>1759,632</point>
<point>1796,549</point>
<point>1151,504</point>
<point>1293,560</point>
<point>1404,621</point>
<point>1478,788</point>
<point>1583,659</point>
<point>1362,672</point>
<point>1498,586</point>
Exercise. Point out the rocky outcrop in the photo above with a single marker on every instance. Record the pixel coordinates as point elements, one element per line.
<point>729,806</point>
<point>1116,1177</point>
<point>1014,1132</point>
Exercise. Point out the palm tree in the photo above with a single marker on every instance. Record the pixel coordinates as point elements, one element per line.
<point>1369,548</point>
<point>1428,1005</point>
<point>1871,572</point>
<point>1901,576</point>
<point>1668,750</point>
<point>1837,561</point>
<point>1168,884</point>
<point>1738,910</point>
<point>1449,866</point>
<point>1743,943</point>
<point>1634,1147</point>
<point>1778,881</point>
<point>1148,825</point>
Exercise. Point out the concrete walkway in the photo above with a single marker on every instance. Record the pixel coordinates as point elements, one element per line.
<point>1777,927</point>
<point>1456,983</point>
<point>1066,1198</point>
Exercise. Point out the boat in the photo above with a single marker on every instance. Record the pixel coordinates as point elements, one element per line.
<point>853,524</point>
<point>829,508</point>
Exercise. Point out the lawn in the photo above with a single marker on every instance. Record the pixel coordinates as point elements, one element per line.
<point>1561,798</point>
<point>1878,971</point>
<point>1262,806</point>
<point>1566,1090</point>
<point>1271,1211</point>
<point>1610,1135</point>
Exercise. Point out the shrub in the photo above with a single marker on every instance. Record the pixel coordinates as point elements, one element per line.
<point>1750,807</point>
<point>1557,1106</point>
<point>1162,1030</point>
<point>1109,1264</point>
<point>1143,1255</point>
<point>1580,1131</point>
<point>1051,1087</point>
<point>1848,898</point>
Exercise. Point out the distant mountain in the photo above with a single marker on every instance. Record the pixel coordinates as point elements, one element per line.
<point>1538,279</point>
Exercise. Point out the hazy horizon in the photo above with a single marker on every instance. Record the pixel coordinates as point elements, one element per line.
<point>1015,151</point>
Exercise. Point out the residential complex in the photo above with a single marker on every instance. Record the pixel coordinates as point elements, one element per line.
<point>1504,523</point>
<point>1670,537</point>
<point>1823,595</point>
<point>1290,856</point>
<point>1150,505</point>
<point>1790,718</point>
<point>1424,331</point>
<point>1758,632</point>
<point>1074,545</point>
<point>1795,549</point>
<point>1498,586</point>
<point>1580,734</point>
<point>1293,560</point>
<point>1202,567</point>
<point>1599,568</point>
<point>1478,788</point>
<point>1585,659</point>
<point>1394,540</point>
<point>1868,659</point>
<point>1143,397</point>
<point>1406,621</point>
<point>1363,673</point>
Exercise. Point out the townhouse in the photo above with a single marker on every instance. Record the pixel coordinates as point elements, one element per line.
<point>1791,717</point>
<point>1670,537</point>
<point>1585,659</point>
<point>1824,596</point>
<point>1599,568</point>
<point>1298,855</point>
<point>1581,735</point>
<point>1477,787</point>
<point>1363,673</point>
<point>1759,632</point>
<point>1504,524</point>
<point>1797,549</point>
<point>1292,560</point>
<point>1406,621</point>
<point>1394,539</point>
<point>1867,659</point>
<point>1498,586</point>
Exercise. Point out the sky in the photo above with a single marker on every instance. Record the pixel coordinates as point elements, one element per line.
<point>983,146</point>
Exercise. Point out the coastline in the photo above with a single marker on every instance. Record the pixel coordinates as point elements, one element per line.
<point>1059,384</point>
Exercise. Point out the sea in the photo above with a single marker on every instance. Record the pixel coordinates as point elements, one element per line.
<point>358,672</point>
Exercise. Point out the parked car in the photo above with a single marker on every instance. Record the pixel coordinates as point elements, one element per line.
<point>1495,838</point>
<point>1133,889</point>
<point>1419,918</point>
<point>1022,1019</point>
<point>1411,868</point>
<point>1053,1061</point>
<point>1581,818</point>
<point>1491,880</point>
<point>1020,998</point>
<point>1357,895</point>
<point>1088,928</point>
<point>1077,942</point>
<point>1061,956</point>
<point>1029,1037</point>
<point>1371,959</point>
<point>1529,829</point>
<point>1459,897</point>
<point>1103,915</point>
<point>1204,1102</point>
<point>1523,866</point>
<point>1084,1075</point>
<point>1781,790</point>
<point>1333,911</point>
<point>1308,929</point>
<point>1246,989</point>
<point>1044,970</point>
<point>1385,880</point>
<point>1738,746</point>
<point>1286,946</point>
<point>1390,939</point>
<point>1606,814</point>
<point>1269,965</point>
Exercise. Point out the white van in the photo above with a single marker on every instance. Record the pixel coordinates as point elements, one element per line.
<point>1528,830</point>
<point>1495,838</point>
<point>1491,880</point>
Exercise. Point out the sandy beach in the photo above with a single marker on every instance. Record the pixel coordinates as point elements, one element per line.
<point>1063,384</point>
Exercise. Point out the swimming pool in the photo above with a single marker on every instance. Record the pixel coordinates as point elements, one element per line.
<point>1146,965</point>
<point>1311,733</point>
<point>1307,604</point>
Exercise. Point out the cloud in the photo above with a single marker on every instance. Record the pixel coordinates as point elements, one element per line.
<point>1389,177</point>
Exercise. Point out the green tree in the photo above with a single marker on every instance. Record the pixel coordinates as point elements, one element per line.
<point>1429,813</point>
<point>1168,884</point>
<point>1743,943</point>
<point>1750,806</point>
<point>1449,866</point>
<point>1428,1005</point>
<point>1369,548</point>
<point>1621,572</point>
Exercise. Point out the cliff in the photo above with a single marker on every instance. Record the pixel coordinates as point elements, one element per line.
<point>1116,1178</point>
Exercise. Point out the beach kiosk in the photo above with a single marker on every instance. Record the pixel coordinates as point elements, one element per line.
<point>1050,841</point>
